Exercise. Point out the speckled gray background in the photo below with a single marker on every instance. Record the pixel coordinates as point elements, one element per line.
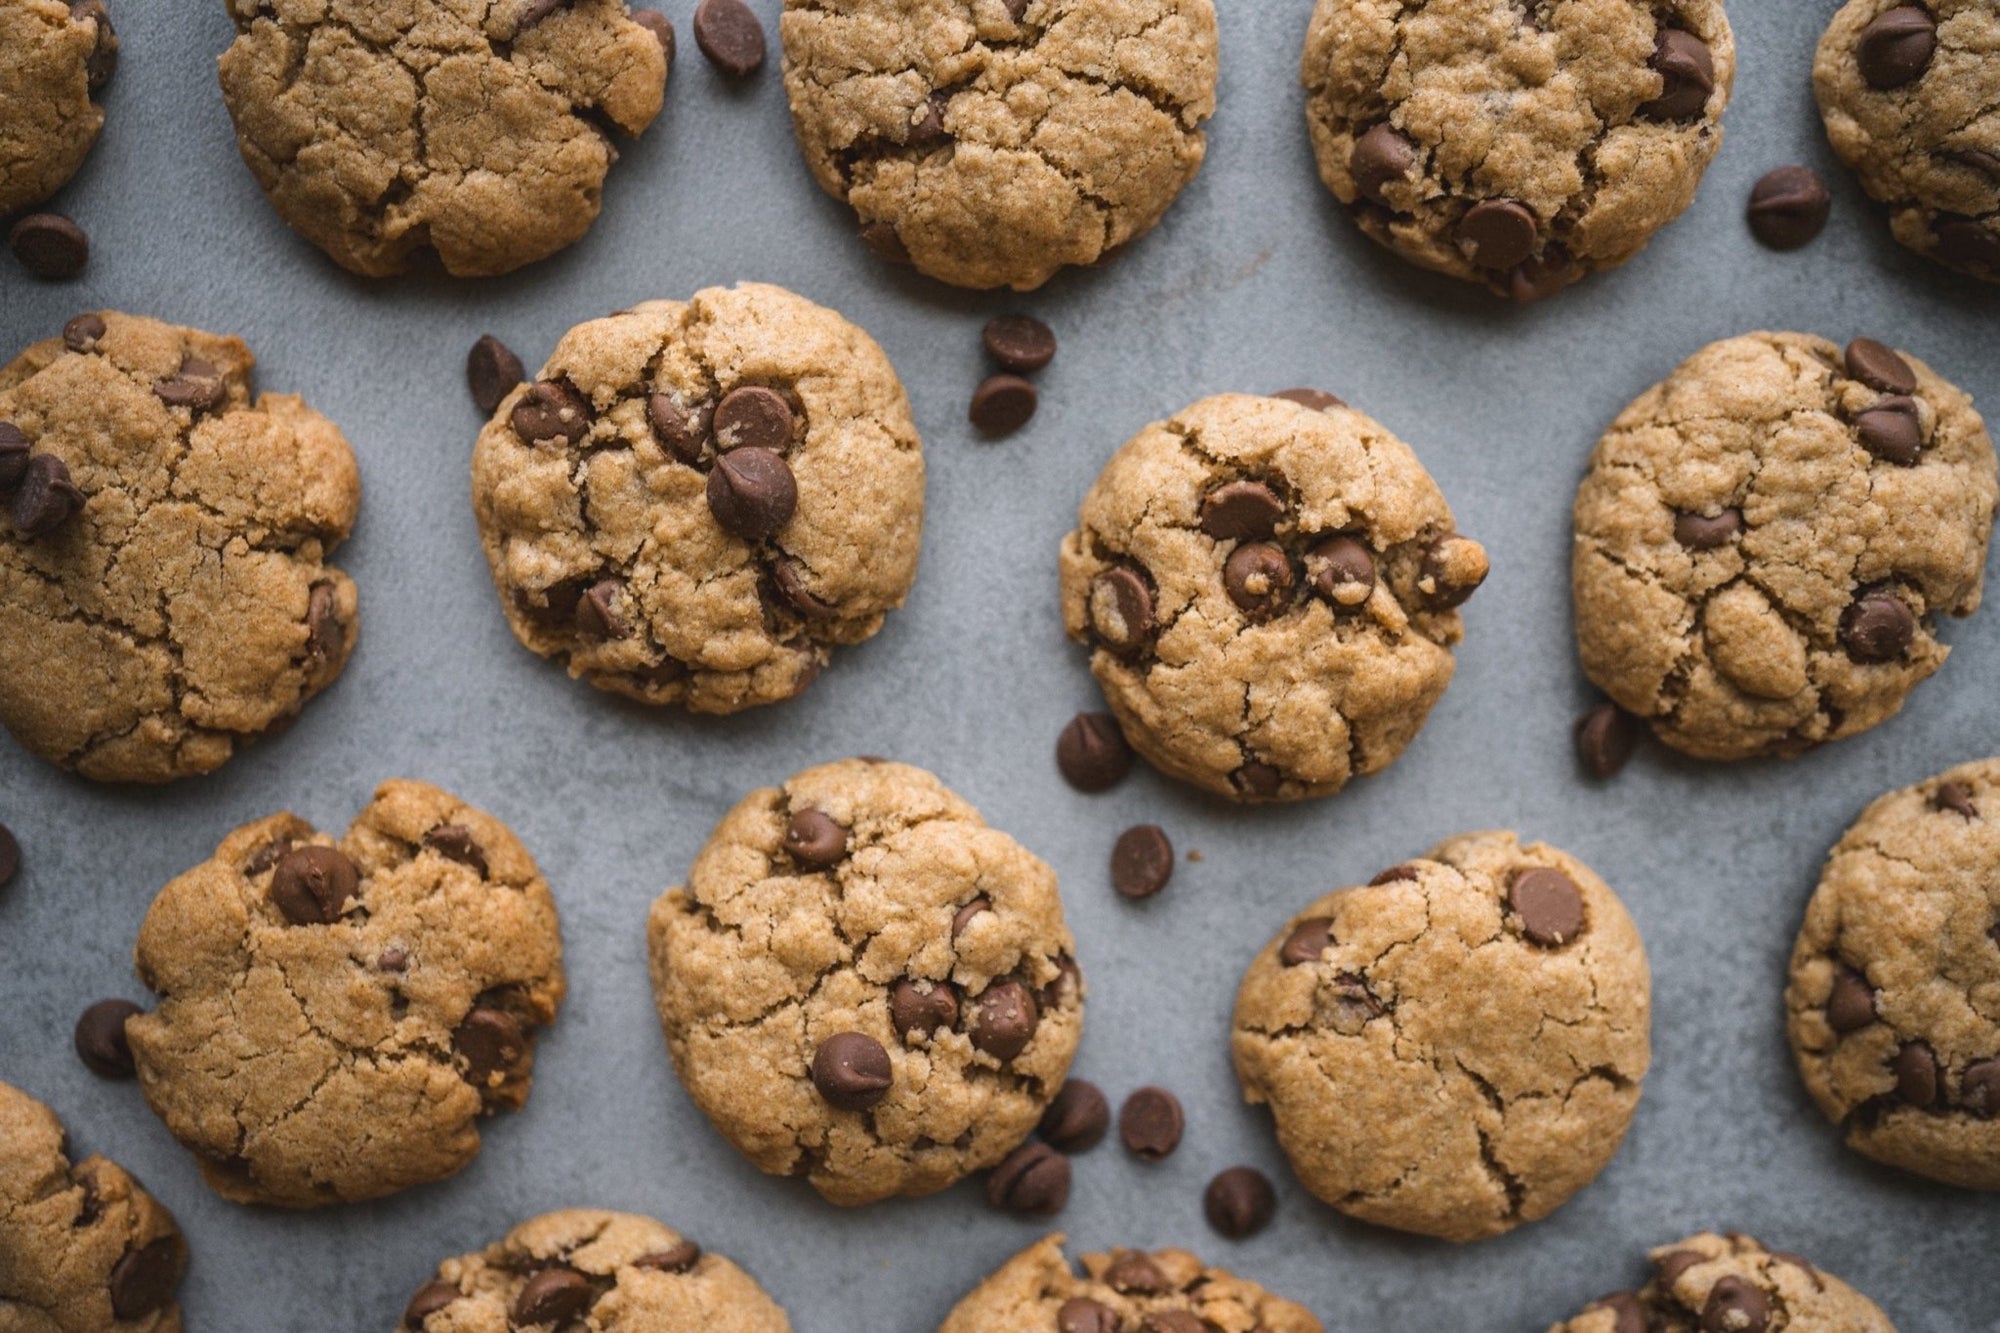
<point>1254,282</point>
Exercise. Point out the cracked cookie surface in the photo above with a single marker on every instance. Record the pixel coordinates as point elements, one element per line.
<point>1731,1284</point>
<point>1893,1006</point>
<point>1124,1291</point>
<point>1270,595</point>
<point>630,535</point>
<point>55,58</point>
<point>184,605</point>
<point>1517,145</point>
<point>83,1247</point>
<point>475,128</point>
<point>1911,99</point>
<point>1764,540</point>
<point>334,1018</point>
<point>1457,1047</point>
<point>992,142</point>
<point>865,985</point>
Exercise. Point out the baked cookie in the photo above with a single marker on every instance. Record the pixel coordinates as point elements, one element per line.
<point>1764,541</point>
<point>83,1247</point>
<point>1911,98</point>
<point>1125,1291</point>
<point>991,142</point>
<point>1456,1048</point>
<point>1894,1003</point>
<point>1269,593</point>
<point>165,595</point>
<point>475,130</point>
<point>1731,1284</point>
<point>56,56</point>
<point>864,985</point>
<point>698,501</point>
<point>1520,146</point>
<point>586,1271</point>
<point>335,1018</point>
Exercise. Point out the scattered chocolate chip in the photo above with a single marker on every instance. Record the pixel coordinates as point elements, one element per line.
<point>537,11</point>
<point>1499,233</point>
<point>1605,738</point>
<point>492,372</point>
<point>728,33</point>
<point>83,331</point>
<point>1915,1066</point>
<point>197,386</point>
<point>44,498</point>
<point>1318,400</point>
<point>882,240</point>
<point>1078,1117</point>
<point>553,1296</point>
<point>1897,47</point>
<point>1241,511</point>
<point>922,1007</point>
<point>324,633</point>
<point>852,1071</point>
<point>1734,1306</point>
<point>1541,276</point>
<point>1092,753</point>
<point>1240,1202</point>
<point>1879,367</point>
<point>1151,1123</point>
<point>100,1038</point>
<point>143,1280</point>
<point>491,1042</point>
<point>1257,779</point>
<point>1878,626</point>
<point>1967,242</point>
<point>1702,532</point>
<point>680,430</point>
<point>1258,578</point>
<point>1668,1267</point>
<point>814,840</point>
<point>1850,1006</point>
<point>788,580</point>
<point>1002,404</point>
<point>680,1257</point>
<point>1891,431</point>
<point>552,412</point>
<point>1020,343</point>
<point>1687,69</point>
<point>1393,875</point>
<point>597,611</point>
<point>1381,156</point>
<point>1032,1180</point>
<point>1004,1019</point>
<point>1549,905</point>
<point>393,959</point>
<point>1979,1089</point>
<point>1307,943</point>
<point>1135,1274</point>
<point>1142,861</point>
<point>1953,796</point>
<point>662,28</point>
<point>430,1298</point>
<point>1452,571</point>
<point>752,493</point>
<point>753,416</point>
<point>926,126</point>
<point>1080,1314</point>
<point>102,62</point>
<point>1342,572</point>
<point>312,884</point>
<point>964,916</point>
<point>50,246</point>
<point>1789,206</point>
<point>455,842</point>
<point>1121,610</point>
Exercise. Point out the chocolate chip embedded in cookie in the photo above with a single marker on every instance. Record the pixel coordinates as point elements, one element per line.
<point>1731,1284</point>
<point>56,56</point>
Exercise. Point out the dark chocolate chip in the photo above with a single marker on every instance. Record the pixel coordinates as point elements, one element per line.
<point>144,1279</point>
<point>1915,1066</point>
<point>1627,1314</point>
<point>1151,1123</point>
<point>1850,1006</point>
<point>1605,737</point>
<point>1968,243</point>
<point>1879,367</point>
<point>1258,578</point>
<point>324,632</point>
<point>883,242</point>
<point>681,430</point>
<point>1448,578</point>
<point>1499,233</point>
<point>1004,1019</point>
<point>1381,156</point>
<point>1541,276</point>
<point>1135,1274</point>
<point>753,416</point>
<point>102,62</point>
<point>1032,1180</point>
<point>1878,626</point>
<point>597,611</point>
<point>1002,404</point>
<point>852,1071</point>
<point>1092,753</point>
<point>552,412</point>
<point>1667,1269</point>
<point>1318,400</point>
<point>963,918</point>
<point>50,246</point>
<point>537,11</point>
<point>1342,573</point>
<point>1241,511</point>
<point>1987,164</point>
<point>1789,206</point>
<point>1897,47</point>
<point>922,1007</point>
<point>491,1042</point>
<point>1020,343</point>
<point>14,451</point>
<point>1307,943</point>
<point>44,498</point>
<point>393,960</point>
<point>752,493</point>
<point>10,856</point>
<point>1240,1202</point>
<point>312,884</point>
<point>492,371</point>
<point>100,1038</point>
<point>926,126</point>
<point>1687,70</point>
<point>1979,1089</point>
<point>1891,431</point>
<point>728,33</point>
<point>430,1298</point>
<point>1080,1314</point>
<point>1393,875</point>
<point>1734,1306</point>
<point>1957,798</point>
<point>1078,1117</point>
<point>662,28</point>
<point>1142,861</point>
<point>553,1296</point>
<point>1121,610</point>
<point>1702,532</point>
<point>454,842</point>
<point>197,386</point>
<point>680,1257</point>
<point>815,840</point>
<point>1549,905</point>
<point>788,580</point>
<point>1257,780</point>
<point>83,331</point>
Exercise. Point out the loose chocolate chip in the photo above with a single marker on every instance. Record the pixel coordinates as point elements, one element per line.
<point>1004,1020</point>
<point>1032,1180</point>
<point>1979,1089</point>
<point>752,493</point>
<point>1381,156</point>
<point>1175,1321</point>
<point>1549,905</point>
<point>597,611</point>
<point>1020,343</point>
<point>1318,400</point>
<point>1850,1006</point>
<point>1240,1202</point>
<point>678,1258</point>
<point>788,580</point>
<point>553,411</point>
<point>1968,243</point>
<point>10,856</point>
<point>430,1298</point>
<point>491,372</point>
<point>1879,367</point>
<point>1121,610</point>
<point>922,1007</point>
<point>50,246</point>
<point>1897,47</point>
<point>324,633</point>
<point>1002,404</point>
<point>1953,796</point>
<point>729,34</point>
<point>1606,736</point>
<point>1142,861</point>
<point>44,498</point>
<point>662,28</point>
<point>1915,1066</point>
<point>1499,233</point>
<point>312,884</point>
<point>455,842</point>
<point>1789,207</point>
<point>1877,627</point>
<point>100,1038</point>
<point>82,332</point>
<point>1151,1123</point>
<point>852,1071</point>
<point>1307,943</point>
<point>1241,511</point>
<point>1450,573</point>
<point>963,918</point>
<point>14,451</point>
<point>102,62</point>
<point>143,1280</point>
<point>1687,70</point>
<point>1702,532</point>
<point>1092,753</point>
<point>491,1042</point>
<point>1393,875</point>
<point>1257,779</point>
<point>1891,431</point>
<point>1734,1306</point>
<point>1342,571</point>
<point>1628,1315</point>
<point>882,240</point>
<point>1135,1274</point>
<point>1258,578</point>
<point>1668,1267</point>
<point>814,840</point>
<point>552,1296</point>
<point>1080,1314</point>
<point>1077,1118</point>
<point>753,416</point>
<point>197,386</point>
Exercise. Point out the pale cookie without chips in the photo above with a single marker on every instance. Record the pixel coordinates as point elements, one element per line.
<point>1519,146</point>
<point>468,127</point>
<point>1764,541</point>
<point>585,1271</point>
<point>165,595</point>
<point>335,1017</point>
<point>83,1247</point>
<point>1270,594</point>
<point>1894,1003</point>
<point>1910,94</point>
<point>698,501</point>
<point>55,59</point>
<point>1124,1291</point>
<point>1731,1284</point>
<point>1457,1047</point>
<point>992,142</point>
<point>865,985</point>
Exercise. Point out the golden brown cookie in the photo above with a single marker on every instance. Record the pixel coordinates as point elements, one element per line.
<point>1731,1284</point>
<point>56,56</point>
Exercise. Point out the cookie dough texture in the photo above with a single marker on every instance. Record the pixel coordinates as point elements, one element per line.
<point>1433,1060</point>
<point>308,1064</point>
<point>1029,1292</point>
<point>187,606</point>
<point>1731,1282</point>
<point>697,616</point>
<point>1894,1003</point>
<point>1421,113</point>
<point>992,142</point>
<point>469,127</point>
<point>761,959</point>
<point>641,1277</point>
<point>1296,693</point>
<point>54,60</point>
<point>1731,520</point>
<point>83,1247</point>
<point>1929,149</point>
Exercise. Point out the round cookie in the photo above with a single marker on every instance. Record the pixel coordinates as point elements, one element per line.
<point>1456,1048</point>
<point>864,985</point>
<point>335,1018</point>
<point>587,1271</point>
<point>1270,595</point>
<point>1731,1284</point>
<point>83,1247</point>
<point>1764,540</point>
<point>1125,1291</point>
<point>1910,94</point>
<point>992,142</point>
<point>378,131</point>
<point>55,58</point>
<point>1517,149</point>
<point>1894,1002</point>
<point>698,501</point>
<point>165,595</point>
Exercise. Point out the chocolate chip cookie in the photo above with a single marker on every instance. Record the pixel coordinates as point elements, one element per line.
<point>478,131</point>
<point>1457,1047</point>
<point>1270,594</point>
<point>83,1247</point>
<point>165,595</point>
<point>1764,541</point>
<point>336,1017</point>
<point>1519,146</point>
<point>1911,98</point>
<point>992,142</point>
<point>864,985</point>
<point>1731,1284</point>
<point>697,502</point>
<point>586,1271</point>
<point>56,56</point>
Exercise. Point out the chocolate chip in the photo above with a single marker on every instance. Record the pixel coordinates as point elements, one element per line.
<point>100,1038</point>
<point>1915,1066</point>
<point>1307,943</point>
<point>44,498</point>
<point>1541,276</point>
<point>1241,511</point>
<point>1032,1180</point>
<point>324,632</point>
<point>1953,796</point>
<point>1078,1117</point>
<point>1175,1321</point>
<point>1850,1006</point>
<point>1257,779</point>
<point>552,412</point>
<point>597,611</point>
<point>922,1007</point>
<point>1987,164</point>
<point>14,451</point>
<point>1318,400</point>
<point>1002,404</point>
<point>197,386</point>
<point>1701,532</point>
<point>1020,343</point>
<point>926,125</point>
<point>1628,1315</point>
<point>814,840</point>
<point>1878,626</point>
<point>537,11</point>
<point>1381,156</point>
<point>729,34</point>
<point>1142,861</point>
<point>1789,207</point>
<point>312,884</point>
<point>753,416</point>
<point>430,1298</point>
<point>1499,233</point>
<point>1258,578</point>
<point>1979,1089</point>
<point>1897,47</point>
<point>1605,737</point>
<point>1549,905</point>
<point>1240,1202</point>
<point>1891,431</point>
<point>1092,753</point>
<point>552,1296</point>
<point>679,1257</point>
<point>102,62</point>
<point>1150,1123</point>
<point>455,842</point>
<point>393,959</point>
<point>1879,367</point>
<point>1687,70</point>
<point>1668,1267</point>
<point>851,1071</point>
<point>1452,571</point>
<point>1135,1274</point>
<point>680,430</point>
<point>1004,1020</point>
<point>1734,1306</point>
<point>143,1280</point>
<point>882,240</point>
<point>1080,1314</point>
<point>788,580</point>
<point>491,1042</point>
<point>492,372</point>
<point>1968,243</point>
<point>50,246</point>
<point>268,855</point>
<point>1342,573</point>
<point>662,28</point>
<point>10,856</point>
<point>963,918</point>
<point>83,331</point>
<point>752,493</point>
<point>1121,610</point>
<point>1393,875</point>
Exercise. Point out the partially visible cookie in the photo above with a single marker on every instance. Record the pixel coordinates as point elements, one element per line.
<point>83,1247</point>
<point>865,985</point>
<point>1894,1003</point>
<point>1457,1047</point>
<point>1731,1284</point>
<point>56,56</point>
<point>336,1017</point>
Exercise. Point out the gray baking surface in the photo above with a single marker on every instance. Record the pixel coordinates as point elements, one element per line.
<point>1255,282</point>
